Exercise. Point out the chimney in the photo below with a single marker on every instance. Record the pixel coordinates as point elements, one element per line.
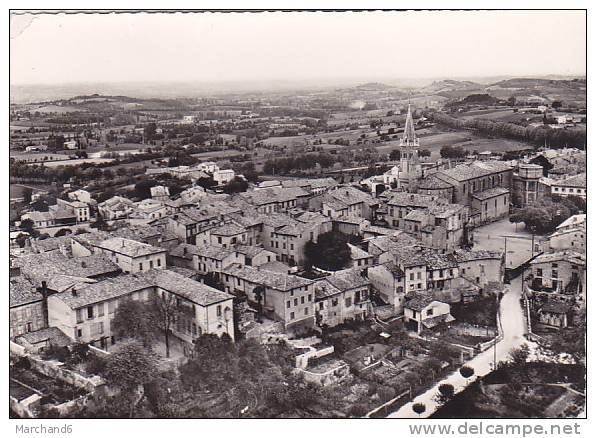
<point>184,250</point>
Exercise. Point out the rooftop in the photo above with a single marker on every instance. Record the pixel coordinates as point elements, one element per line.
<point>574,181</point>
<point>476,169</point>
<point>130,248</point>
<point>490,193</point>
<point>274,280</point>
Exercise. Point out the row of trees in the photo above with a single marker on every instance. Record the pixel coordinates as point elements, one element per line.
<point>555,138</point>
<point>299,162</point>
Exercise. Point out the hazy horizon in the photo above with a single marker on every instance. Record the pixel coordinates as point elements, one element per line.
<point>297,47</point>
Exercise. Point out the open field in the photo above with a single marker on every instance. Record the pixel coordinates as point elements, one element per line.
<point>465,139</point>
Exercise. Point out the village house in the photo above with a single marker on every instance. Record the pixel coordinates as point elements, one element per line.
<point>282,297</point>
<point>480,266</point>
<point>342,296</point>
<point>225,235</point>
<point>359,258</point>
<point>348,201</point>
<point>81,196</point>
<point>212,259</point>
<point>114,208</point>
<point>389,281</point>
<point>27,308</point>
<point>86,314</point>
<point>555,314</point>
<point>570,238</point>
<point>132,256</point>
<point>424,312</point>
<point>561,272</point>
<point>573,186</point>
<point>314,186</point>
<point>160,193</point>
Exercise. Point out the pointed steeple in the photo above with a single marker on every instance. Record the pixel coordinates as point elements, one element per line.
<point>409,137</point>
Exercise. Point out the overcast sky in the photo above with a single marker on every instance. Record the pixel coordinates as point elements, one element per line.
<point>294,46</point>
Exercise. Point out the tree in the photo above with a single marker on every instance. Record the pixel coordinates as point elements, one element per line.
<point>27,194</point>
<point>556,104</point>
<point>424,153</point>
<point>330,252</point>
<point>419,408</point>
<point>99,223</point>
<point>466,371</point>
<point>164,311</point>
<point>143,188</point>
<point>131,366</point>
<point>236,185</point>
<point>133,319</point>
<point>519,356</point>
<point>63,232</point>
<point>27,225</point>
<point>446,392</point>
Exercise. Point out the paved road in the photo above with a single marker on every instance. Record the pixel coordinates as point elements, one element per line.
<point>514,328</point>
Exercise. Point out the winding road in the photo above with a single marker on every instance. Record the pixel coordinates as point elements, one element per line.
<point>514,328</point>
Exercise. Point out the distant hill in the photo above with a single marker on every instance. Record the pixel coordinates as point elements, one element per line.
<point>373,86</point>
<point>452,88</point>
<point>538,82</point>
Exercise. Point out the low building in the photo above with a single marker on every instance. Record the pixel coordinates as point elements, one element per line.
<point>86,314</point>
<point>132,256</point>
<point>282,297</point>
<point>116,207</point>
<point>389,281</point>
<point>342,296</point>
<point>27,308</point>
<point>555,314</point>
<point>573,186</point>
<point>561,272</point>
<point>424,312</point>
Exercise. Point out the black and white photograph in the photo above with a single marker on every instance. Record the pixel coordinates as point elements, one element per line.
<point>298,214</point>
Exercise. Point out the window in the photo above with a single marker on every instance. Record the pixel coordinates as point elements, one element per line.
<point>334,302</point>
<point>218,310</point>
<point>29,327</point>
<point>90,312</point>
<point>140,266</point>
<point>302,299</point>
<point>538,272</point>
<point>100,309</point>
<point>289,304</point>
<point>555,265</point>
<point>295,301</point>
<point>419,285</point>
<point>79,315</point>
<point>291,315</point>
<point>150,264</point>
<point>309,297</point>
<point>419,275</point>
<point>411,276</point>
<point>429,312</point>
<point>321,305</point>
<point>158,262</point>
<point>348,302</point>
<point>306,310</point>
<point>555,273</point>
<point>78,332</point>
